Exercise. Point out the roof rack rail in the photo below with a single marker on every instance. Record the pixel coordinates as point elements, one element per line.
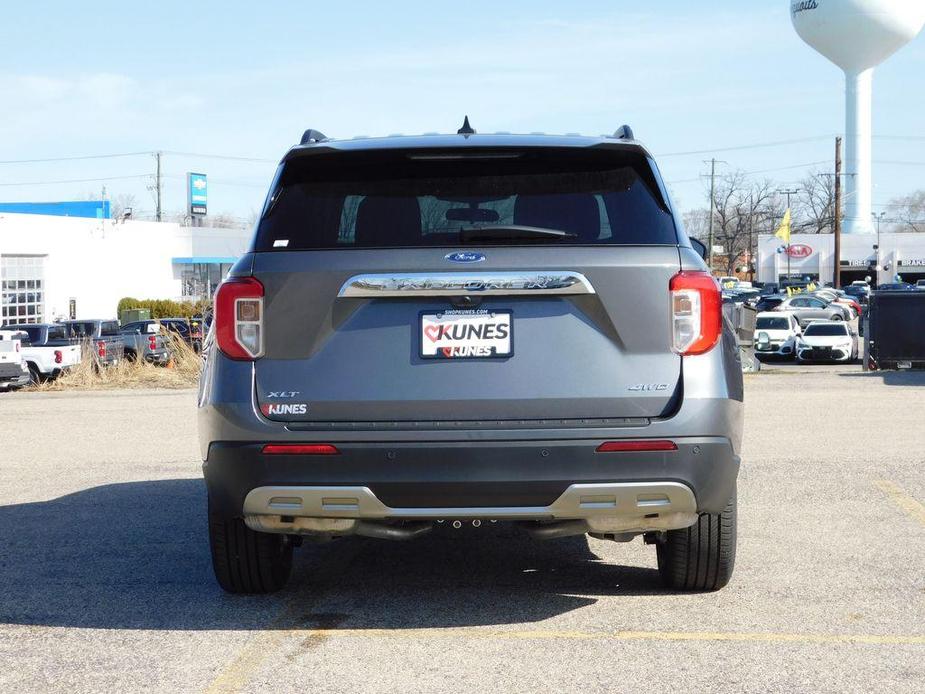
<point>624,132</point>
<point>310,136</point>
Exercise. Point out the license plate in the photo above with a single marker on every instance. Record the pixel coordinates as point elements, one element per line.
<point>467,334</point>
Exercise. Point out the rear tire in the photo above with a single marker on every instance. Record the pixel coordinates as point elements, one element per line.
<point>245,561</point>
<point>35,376</point>
<point>702,557</point>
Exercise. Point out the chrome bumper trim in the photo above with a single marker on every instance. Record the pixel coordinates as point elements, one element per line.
<point>610,507</point>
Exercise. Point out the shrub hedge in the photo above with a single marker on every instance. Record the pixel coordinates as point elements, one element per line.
<point>165,308</point>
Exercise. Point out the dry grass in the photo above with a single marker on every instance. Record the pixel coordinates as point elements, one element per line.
<point>182,372</point>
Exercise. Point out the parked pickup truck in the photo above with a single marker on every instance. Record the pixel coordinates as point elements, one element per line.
<point>47,349</point>
<point>13,370</point>
<point>102,336</point>
<point>143,340</point>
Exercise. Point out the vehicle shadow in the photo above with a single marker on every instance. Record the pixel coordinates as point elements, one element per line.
<point>891,378</point>
<point>135,556</point>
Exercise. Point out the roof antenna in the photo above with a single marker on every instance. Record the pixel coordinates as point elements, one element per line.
<point>466,129</point>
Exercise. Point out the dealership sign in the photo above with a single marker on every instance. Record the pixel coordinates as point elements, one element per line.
<point>799,250</point>
<point>197,194</point>
<point>913,262</point>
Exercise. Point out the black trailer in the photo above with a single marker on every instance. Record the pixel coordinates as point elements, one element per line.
<point>896,330</point>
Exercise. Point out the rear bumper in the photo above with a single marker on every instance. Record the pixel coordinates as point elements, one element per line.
<point>523,479</point>
<point>159,357</point>
<point>19,381</point>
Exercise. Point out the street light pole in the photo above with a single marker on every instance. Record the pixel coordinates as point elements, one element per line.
<point>878,218</point>
<point>788,192</point>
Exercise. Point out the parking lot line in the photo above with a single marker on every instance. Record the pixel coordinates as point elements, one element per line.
<point>907,503</point>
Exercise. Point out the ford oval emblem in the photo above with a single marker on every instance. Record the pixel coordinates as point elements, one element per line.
<point>465,257</point>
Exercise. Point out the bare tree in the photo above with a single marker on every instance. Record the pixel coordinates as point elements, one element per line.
<point>225,221</point>
<point>122,202</point>
<point>697,223</point>
<point>907,213</point>
<point>743,209</point>
<point>814,212</point>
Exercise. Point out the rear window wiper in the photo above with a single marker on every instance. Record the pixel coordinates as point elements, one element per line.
<point>512,232</point>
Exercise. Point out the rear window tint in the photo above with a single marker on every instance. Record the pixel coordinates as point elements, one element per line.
<point>825,330</point>
<point>412,198</point>
<point>772,324</point>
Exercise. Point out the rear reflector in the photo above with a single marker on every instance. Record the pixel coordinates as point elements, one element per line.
<point>299,449</point>
<point>636,446</point>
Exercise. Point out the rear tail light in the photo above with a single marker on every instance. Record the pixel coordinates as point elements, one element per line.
<point>299,449</point>
<point>636,446</point>
<point>239,318</point>
<point>101,349</point>
<point>152,342</point>
<point>696,312</point>
<point>59,356</point>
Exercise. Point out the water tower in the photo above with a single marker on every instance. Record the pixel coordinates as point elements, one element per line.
<point>857,35</point>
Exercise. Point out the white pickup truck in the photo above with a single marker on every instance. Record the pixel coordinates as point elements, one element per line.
<point>13,370</point>
<point>46,349</point>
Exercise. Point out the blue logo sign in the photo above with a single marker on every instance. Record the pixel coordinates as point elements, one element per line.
<point>465,257</point>
<point>198,194</point>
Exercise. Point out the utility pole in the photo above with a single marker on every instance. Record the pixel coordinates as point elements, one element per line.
<point>712,210</point>
<point>751,237</point>
<point>157,186</point>
<point>712,162</point>
<point>837,214</point>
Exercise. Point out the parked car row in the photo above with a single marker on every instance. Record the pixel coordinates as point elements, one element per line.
<point>36,352</point>
<point>779,334</point>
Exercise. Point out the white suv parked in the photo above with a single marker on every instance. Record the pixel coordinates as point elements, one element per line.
<point>776,333</point>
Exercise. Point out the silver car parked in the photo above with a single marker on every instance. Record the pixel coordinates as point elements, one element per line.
<point>807,308</point>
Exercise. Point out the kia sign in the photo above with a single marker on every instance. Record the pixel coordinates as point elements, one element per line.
<point>799,251</point>
<point>197,194</point>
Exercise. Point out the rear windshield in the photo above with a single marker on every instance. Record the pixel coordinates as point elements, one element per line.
<point>110,328</point>
<point>825,330</point>
<point>57,332</point>
<point>772,324</point>
<point>87,329</point>
<point>35,334</point>
<point>425,198</point>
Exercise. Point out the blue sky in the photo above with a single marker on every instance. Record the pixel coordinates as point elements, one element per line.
<point>245,79</point>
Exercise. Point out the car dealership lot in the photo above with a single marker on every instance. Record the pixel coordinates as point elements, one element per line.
<point>105,579</point>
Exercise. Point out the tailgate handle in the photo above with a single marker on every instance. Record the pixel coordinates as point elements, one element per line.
<point>529,283</point>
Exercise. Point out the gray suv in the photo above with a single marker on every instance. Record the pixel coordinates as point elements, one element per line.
<point>456,329</point>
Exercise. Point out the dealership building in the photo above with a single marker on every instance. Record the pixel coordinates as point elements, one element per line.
<point>74,261</point>
<point>862,256</point>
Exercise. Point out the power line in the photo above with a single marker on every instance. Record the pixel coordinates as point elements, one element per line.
<point>226,157</point>
<point>223,181</point>
<point>760,171</point>
<point>83,157</point>
<point>759,145</point>
<point>77,158</point>
<point>75,180</point>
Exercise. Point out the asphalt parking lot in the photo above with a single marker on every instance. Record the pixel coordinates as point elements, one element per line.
<point>105,580</point>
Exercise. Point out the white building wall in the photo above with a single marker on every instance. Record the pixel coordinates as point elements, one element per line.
<point>902,254</point>
<point>97,262</point>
